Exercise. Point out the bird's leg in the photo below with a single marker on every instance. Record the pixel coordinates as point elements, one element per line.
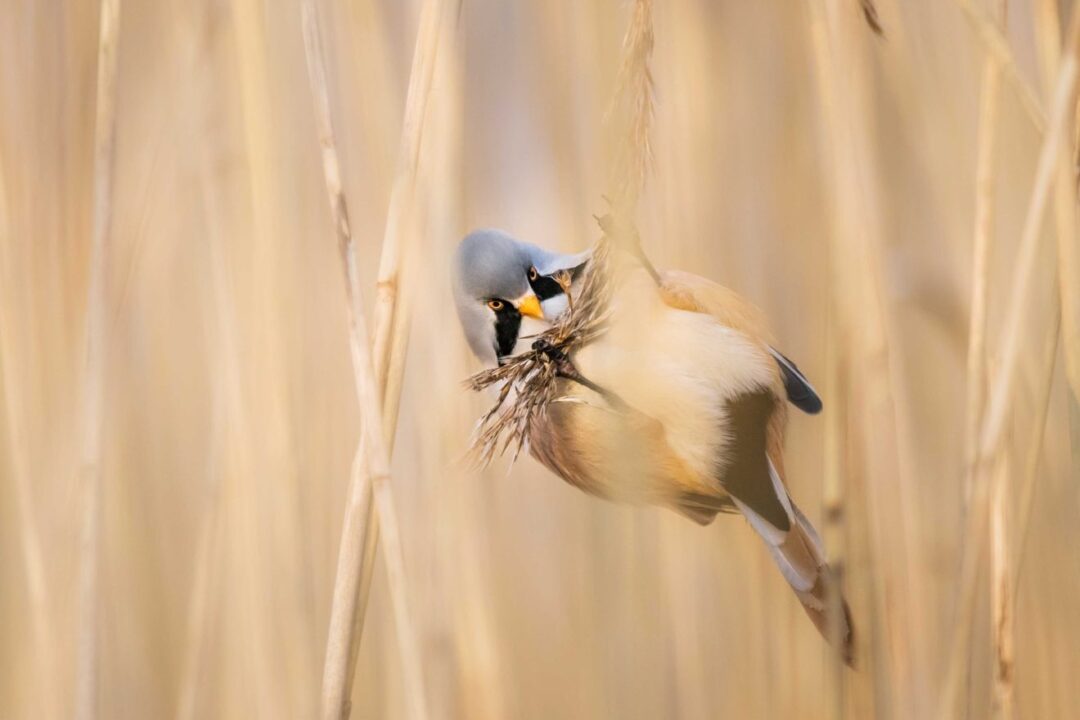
<point>640,253</point>
<point>565,368</point>
<point>628,231</point>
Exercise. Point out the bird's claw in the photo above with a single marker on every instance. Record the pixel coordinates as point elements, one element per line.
<point>624,231</point>
<point>564,368</point>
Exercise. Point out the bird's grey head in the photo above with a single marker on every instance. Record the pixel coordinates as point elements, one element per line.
<point>495,286</point>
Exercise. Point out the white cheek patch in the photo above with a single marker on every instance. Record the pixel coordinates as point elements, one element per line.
<point>555,306</point>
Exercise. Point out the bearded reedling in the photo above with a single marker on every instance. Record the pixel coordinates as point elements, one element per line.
<point>677,398</point>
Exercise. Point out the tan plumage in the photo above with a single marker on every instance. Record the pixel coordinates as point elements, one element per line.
<point>705,428</point>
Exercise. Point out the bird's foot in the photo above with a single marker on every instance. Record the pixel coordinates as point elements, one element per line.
<point>565,368</point>
<point>625,233</point>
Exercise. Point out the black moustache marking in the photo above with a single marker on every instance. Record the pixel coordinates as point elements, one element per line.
<point>546,287</point>
<point>507,327</point>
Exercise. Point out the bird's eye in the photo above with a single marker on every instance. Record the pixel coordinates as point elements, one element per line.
<point>533,274</point>
<point>495,305</point>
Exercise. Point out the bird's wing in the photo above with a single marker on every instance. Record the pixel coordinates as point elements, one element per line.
<point>800,392</point>
<point>687,291</point>
<point>746,472</point>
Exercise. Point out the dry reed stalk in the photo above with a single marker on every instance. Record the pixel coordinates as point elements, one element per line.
<point>996,45</point>
<point>1012,345</point>
<point>632,112</point>
<point>1035,447</point>
<point>371,471</point>
<point>241,516</point>
<point>1001,402</point>
<point>392,310</point>
<point>864,321</point>
<point>976,527</point>
<point>89,592</point>
<point>1001,596</point>
<point>977,380</point>
<point>206,553</point>
<point>394,360</point>
<point>984,224</point>
<point>228,421</point>
<point>1048,42</point>
<point>391,395</point>
<point>29,530</point>
<point>1048,27</point>
<point>834,499</point>
<point>834,490</point>
<point>1069,267</point>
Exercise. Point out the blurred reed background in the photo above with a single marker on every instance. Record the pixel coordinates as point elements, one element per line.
<point>902,207</point>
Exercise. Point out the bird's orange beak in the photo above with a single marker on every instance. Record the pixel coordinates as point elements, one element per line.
<point>530,305</point>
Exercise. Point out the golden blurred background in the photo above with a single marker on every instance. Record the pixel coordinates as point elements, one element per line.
<point>831,175</point>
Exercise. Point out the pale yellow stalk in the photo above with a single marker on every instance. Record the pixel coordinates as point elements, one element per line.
<point>252,48</point>
<point>997,46</point>
<point>33,556</point>
<point>393,304</point>
<point>984,227</point>
<point>864,321</point>
<point>371,469</point>
<point>1000,580</point>
<point>1012,345</point>
<point>228,424</point>
<point>1031,469</point>
<point>1048,29</point>
<point>835,502</point>
<point>1001,402</point>
<point>89,592</point>
<point>977,379</point>
<point>1001,595</point>
<point>1048,26</point>
<point>835,495</point>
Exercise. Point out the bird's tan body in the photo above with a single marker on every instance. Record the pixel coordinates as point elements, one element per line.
<point>703,427</point>
<point>677,356</point>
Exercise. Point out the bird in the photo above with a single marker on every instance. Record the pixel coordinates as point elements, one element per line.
<point>693,407</point>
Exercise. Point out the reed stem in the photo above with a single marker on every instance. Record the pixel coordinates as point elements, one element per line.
<point>96,344</point>
<point>977,526</point>
<point>372,370</point>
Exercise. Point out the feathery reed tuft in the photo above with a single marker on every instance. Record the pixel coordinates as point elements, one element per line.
<point>631,111</point>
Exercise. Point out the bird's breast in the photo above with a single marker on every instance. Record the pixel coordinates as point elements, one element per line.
<point>675,370</point>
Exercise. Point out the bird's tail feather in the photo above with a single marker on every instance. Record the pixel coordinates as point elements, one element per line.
<point>799,554</point>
